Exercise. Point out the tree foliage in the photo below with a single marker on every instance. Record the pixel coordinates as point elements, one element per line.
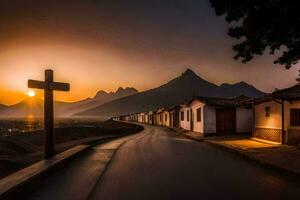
<point>261,25</point>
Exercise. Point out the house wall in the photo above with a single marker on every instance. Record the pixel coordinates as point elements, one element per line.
<point>166,118</point>
<point>141,118</point>
<point>287,106</point>
<point>146,119</point>
<point>292,132</point>
<point>243,120</point>
<point>175,118</point>
<point>150,118</point>
<point>209,119</point>
<point>159,119</point>
<point>268,128</point>
<point>184,124</point>
<point>198,126</point>
<point>154,118</point>
<point>273,121</point>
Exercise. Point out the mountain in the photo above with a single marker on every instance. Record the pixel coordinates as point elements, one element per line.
<point>240,88</point>
<point>26,108</point>
<point>2,107</point>
<point>174,92</point>
<point>104,96</point>
<point>69,109</point>
<point>35,106</point>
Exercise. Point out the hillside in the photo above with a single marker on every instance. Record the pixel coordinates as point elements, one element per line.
<point>2,107</point>
<point>174,92</point>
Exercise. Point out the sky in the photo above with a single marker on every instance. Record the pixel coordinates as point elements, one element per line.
<point>103,44</point>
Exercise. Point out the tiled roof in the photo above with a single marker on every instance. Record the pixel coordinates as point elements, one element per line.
<point>224,102</point>
<point>288,93</point>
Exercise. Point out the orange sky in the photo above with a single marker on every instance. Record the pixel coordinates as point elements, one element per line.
<point>100,45</point>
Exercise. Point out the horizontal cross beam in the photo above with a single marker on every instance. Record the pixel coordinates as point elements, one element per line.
<point>58,86</point>
<point>36,84</point>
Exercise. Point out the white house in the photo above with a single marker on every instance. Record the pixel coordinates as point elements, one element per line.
<point>150,117</point>
<point>166,118</point>
<point>141,117</point>
<point>207,115</point>
<point>277,116</point>
<point>159,116</point>
<point>185,117</point>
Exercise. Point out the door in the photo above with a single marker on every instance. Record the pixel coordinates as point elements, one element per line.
<point>225,121</point>
<point>192,120</point>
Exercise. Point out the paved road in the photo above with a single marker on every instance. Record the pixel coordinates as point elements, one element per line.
<point>157,164</point>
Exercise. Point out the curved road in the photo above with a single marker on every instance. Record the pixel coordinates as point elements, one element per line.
<point>157,164</point>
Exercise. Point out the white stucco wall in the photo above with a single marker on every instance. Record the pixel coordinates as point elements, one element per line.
<point>287,106</point>
<point>273,121</point>
<point>209,113</point>
<point>166,118</point>
<point>150,117</point>
<point>140,118</point>
<point>185,124</point>
<point>198,126</point>
<point>160,119</point>
<point>243,120</point>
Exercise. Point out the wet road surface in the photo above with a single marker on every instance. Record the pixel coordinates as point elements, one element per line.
<point>157,164</point>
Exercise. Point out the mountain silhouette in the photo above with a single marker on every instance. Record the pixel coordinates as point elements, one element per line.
<point>238,88</point>
<point>176,91</point>
<point>104,96</point>
<point>2,107</point>
<point>26,108</point>
<point>35,106</point>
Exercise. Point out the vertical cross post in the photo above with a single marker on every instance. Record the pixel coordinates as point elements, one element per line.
<point>48,86</point>
<point>49,116</point>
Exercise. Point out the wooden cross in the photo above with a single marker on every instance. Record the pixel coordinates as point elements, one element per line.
<point>48,86</point>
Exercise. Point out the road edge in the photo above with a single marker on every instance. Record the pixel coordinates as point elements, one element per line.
<point>22,178</point>
<point>108,163</point>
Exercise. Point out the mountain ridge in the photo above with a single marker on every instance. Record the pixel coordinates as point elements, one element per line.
<point>120,92</point>
<point>129,100</point>
<point>174,92</point>
<point>34,106</point>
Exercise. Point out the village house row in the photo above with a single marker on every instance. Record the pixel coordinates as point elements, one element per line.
<point>274,117</point>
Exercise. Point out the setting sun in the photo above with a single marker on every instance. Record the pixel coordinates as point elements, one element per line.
<point>31,93</point>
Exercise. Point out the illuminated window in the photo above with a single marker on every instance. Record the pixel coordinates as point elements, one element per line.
<point>182,116</point>
<point>267,109</point>
<point>199,115</point>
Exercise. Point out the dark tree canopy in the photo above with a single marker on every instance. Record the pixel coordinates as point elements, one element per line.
<point>263,24</point>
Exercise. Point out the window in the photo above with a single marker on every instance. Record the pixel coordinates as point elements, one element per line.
<point>160,118</point>
<point>268,109</point>
<point>295,117</point>
<point>182,116</point>
<point>199,115</point>
<point>188,115</point>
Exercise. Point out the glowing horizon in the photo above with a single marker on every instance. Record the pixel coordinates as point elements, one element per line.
<point>104,46</point>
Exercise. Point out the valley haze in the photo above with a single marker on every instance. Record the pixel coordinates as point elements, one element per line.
<point>129,100</point>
